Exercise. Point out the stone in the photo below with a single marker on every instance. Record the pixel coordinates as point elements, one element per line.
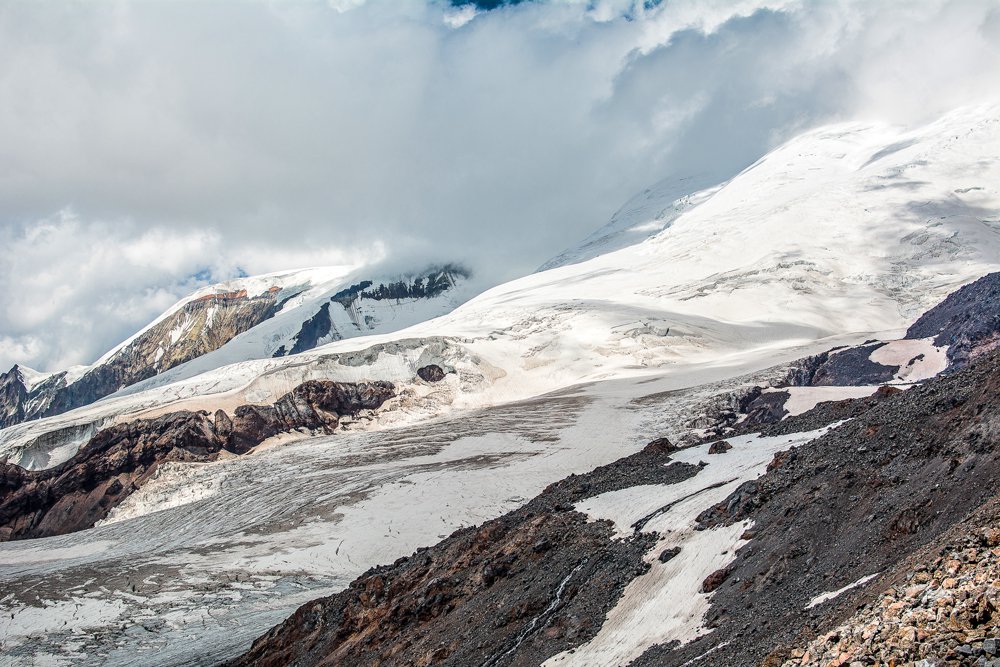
<point>660,446</point>
<point>720,447</point>
<point>431,373</point>
<point>714,580</point>
<point>667,554</point>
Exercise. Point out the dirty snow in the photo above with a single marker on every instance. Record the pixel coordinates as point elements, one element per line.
<point>826,597</point>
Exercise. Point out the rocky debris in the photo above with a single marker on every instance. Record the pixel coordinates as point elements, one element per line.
<point>198,327</point>
<point>430,373</point>
<point>829,412</point>
<point>719,447</point>
<point>767,408</point>
<point>117,460</point>
<point>514,591</point>
<point>724,413</point>
<point>857,501</point>
<point>945,611</point>
<point>967,321</point>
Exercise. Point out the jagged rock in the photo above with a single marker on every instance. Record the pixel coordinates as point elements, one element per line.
<point>117,460</point>
<point>318,326</point>
<point>842,367</point>
<point>668,554</point>
<point>716,579</point>
<point>767,408</point>
<point>719,447</point>
<point>205,324</point>
<point>967,321</point>
<point>660,446</point>
<point>430,373</point>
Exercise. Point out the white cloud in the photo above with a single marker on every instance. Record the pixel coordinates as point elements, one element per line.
<point>266,134</point>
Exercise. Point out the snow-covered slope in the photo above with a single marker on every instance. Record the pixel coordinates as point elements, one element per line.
<point>844,232</point>
<point>849,229</point>
<point>644,215</point>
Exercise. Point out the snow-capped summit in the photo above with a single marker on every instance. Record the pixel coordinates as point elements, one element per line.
<point>245,318</point>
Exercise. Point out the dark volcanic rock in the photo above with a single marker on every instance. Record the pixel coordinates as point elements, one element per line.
<point>13,395</point>
<point>857,501</point>
<point>668,554</point>
<point>843,367</point>
<point>514,591</point>
<point>967,321</point>
<point>117,460</point>
<point>660,446</point>
<point>719,447</point>
<point>716,579</point>
<point>767,408</point>
<point>430,373</point>
<point>316,327</point>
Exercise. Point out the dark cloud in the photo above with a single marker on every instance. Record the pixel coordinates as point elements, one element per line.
<point>164,144</point>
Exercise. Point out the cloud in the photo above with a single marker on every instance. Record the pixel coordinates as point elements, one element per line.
<point>144,143</point>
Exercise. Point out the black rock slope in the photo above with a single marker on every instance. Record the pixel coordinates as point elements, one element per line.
<point>968,321</point>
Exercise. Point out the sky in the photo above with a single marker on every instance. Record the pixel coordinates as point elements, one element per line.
<point>148,148</point>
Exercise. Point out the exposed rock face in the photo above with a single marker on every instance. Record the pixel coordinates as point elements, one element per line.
<point>513,592</point>
<point>313,329</point>
<point>844,367</point>
<point>117,460</point>
<point>13,395</point>
<point>199,327</point>
<point>322,327</point>
<point>967,321</point>
<point>854,503</point>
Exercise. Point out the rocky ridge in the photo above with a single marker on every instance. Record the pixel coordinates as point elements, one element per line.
<point>199,326</point>
<point>118,460</point>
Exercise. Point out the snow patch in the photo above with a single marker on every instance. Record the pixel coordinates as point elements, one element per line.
<point>826,597</point>
<point>917,359</point>
<point>665,604</point>
<point>803,399</point>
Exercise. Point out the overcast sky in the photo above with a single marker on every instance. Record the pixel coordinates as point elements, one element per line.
<point>147,148</point>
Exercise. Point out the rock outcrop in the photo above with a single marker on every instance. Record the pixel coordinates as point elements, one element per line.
<point>117,460</point>
<point>196,328</point>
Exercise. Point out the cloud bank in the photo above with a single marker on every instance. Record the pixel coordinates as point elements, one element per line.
<point>147,148</point>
